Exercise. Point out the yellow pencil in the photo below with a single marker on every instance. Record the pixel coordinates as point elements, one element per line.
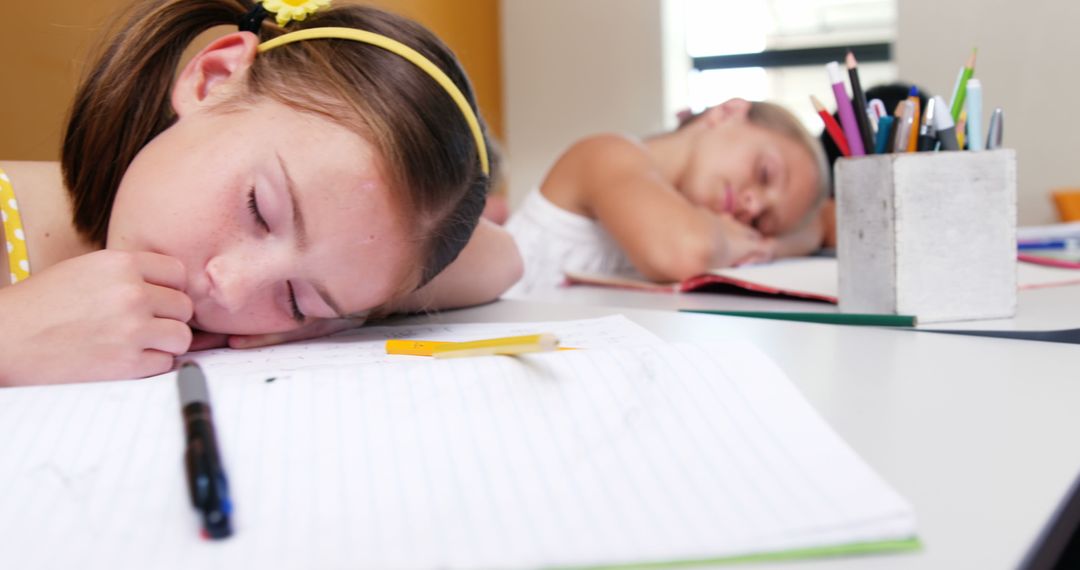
<point>504,345</point>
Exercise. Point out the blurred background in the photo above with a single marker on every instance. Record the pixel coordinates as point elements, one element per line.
<point>549,72</point>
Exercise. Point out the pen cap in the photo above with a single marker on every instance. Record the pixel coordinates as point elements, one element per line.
<point>878,107</point>
<point>942,120</point>
<point>974,115</point>
<point>833,69</point>
<point>995,132</point>
<point>191,384</point>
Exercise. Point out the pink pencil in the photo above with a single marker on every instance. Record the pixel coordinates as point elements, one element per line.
<point>847,112</point>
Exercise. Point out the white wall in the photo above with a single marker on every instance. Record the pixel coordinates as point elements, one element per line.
<point>1027,64</point>
<point>576,67</point>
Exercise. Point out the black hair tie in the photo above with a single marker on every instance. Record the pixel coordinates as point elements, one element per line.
<point>252,21</point>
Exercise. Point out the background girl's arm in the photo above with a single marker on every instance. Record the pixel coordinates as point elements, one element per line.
<point>665,236</point>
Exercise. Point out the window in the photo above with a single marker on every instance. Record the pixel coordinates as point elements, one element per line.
<point>776,50</point>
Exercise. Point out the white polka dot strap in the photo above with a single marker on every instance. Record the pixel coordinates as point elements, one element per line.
<point>18,257</point>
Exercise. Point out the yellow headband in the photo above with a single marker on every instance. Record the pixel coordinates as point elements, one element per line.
<point>404,51</point>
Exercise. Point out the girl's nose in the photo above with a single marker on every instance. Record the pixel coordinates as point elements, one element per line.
<point>240,276</point>
<point>230,283</point>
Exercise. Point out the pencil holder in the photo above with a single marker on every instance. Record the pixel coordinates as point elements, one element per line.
<point>929,234</point>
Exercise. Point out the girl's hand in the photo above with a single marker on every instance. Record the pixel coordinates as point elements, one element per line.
<point>744,244</point>
<point>104,315</point>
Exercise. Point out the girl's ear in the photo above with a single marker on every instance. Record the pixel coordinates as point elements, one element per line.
<point>728,110</point>
<point>214,71</point>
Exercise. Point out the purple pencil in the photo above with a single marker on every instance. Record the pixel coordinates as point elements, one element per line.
<point>847,112</point>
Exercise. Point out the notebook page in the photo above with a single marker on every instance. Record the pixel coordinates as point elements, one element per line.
<point>816,275</point>
<point>819,275</point>
<point>573,458</point>
<point>367,344</point>
<point>1034,276</point>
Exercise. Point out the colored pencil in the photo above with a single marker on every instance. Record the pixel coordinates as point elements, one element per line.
<point>859,102</point>
<point>503,345</point>
<point>845,110</point>
<point>835,133</point>
<point>861,319</point>
<point>960,89</point>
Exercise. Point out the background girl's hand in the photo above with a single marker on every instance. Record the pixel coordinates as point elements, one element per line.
<point>104,315</point>
<point>744,244</point>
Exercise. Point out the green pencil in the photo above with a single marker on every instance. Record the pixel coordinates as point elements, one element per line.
<point>960,89</point>
<point>864,319</point>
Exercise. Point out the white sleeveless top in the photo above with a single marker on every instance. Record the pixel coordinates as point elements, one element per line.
<point>553,240</point>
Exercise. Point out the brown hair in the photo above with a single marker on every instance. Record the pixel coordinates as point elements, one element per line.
<point>428,150</point>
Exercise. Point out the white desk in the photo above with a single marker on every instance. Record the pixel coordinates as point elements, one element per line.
<point>1048,308</point>
<point>978,433</point>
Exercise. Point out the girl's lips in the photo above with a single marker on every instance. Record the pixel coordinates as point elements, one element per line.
<point>729,199</point>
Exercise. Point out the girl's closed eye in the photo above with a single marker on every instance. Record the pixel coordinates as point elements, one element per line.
<point>294,307</point>
<point>253,206</point>
<point>765,175</point>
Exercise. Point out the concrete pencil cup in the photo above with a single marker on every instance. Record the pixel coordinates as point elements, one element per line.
<point>930,234</point>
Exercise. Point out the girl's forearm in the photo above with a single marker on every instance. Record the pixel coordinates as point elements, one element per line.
<point>488,266</point>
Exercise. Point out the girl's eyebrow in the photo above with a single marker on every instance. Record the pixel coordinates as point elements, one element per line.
<point>298,216</point>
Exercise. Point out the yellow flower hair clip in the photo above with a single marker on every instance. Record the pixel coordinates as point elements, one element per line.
<point>286,11</point>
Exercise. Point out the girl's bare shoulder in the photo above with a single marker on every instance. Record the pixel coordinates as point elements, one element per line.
<point>34,176</point>
<point>591,162</point>
<point>45,208</point>
<point>603,151</point>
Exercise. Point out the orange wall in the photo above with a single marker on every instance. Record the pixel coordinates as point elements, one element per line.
<point>471,29</point>
<point>42,45</point>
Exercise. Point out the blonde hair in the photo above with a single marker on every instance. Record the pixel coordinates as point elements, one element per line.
<point>781,121</point>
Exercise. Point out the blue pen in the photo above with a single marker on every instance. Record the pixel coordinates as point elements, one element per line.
<point>207,483</point>
<point>884,127</point>
<point>1071,243</point>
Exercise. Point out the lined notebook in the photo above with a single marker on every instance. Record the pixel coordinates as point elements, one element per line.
<point>652,454</point>
<point>813,278</point>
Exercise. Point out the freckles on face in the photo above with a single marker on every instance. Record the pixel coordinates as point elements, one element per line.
<point>279,217</point>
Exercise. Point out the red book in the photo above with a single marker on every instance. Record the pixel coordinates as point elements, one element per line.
<point>808,278</point>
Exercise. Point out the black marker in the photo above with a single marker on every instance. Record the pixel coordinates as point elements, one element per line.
<point>206,476</point>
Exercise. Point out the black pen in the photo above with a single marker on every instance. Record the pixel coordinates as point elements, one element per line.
<point>206,476</point>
